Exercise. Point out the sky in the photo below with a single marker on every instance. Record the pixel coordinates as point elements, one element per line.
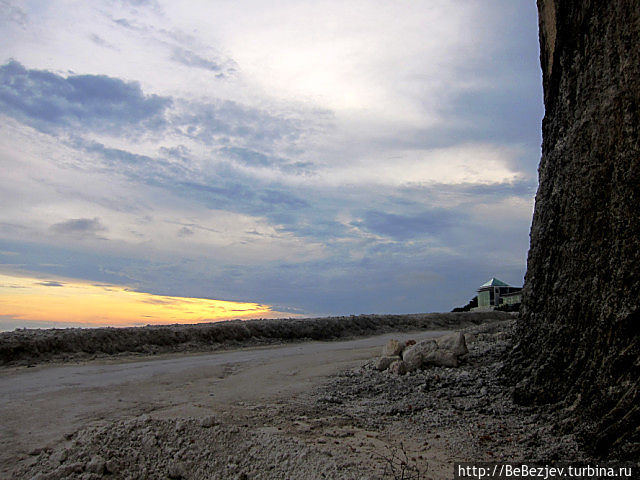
<point>252,158</point>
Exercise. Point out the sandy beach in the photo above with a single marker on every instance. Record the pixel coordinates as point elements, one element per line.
<point>309,410</point>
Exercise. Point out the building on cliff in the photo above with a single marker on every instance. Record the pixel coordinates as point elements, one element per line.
<point>495,293</point>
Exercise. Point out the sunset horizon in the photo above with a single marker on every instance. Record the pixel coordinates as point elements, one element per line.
<point>49,302</point>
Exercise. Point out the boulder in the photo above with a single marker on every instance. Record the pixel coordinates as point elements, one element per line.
<point>413,355</point>
<point>384,362</point>
<point>441,358</point>
<point>392,348</point>
<point>398,367</point>
<point>454,342</point>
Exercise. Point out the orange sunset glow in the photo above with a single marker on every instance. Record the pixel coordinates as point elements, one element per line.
<point>92,304</point>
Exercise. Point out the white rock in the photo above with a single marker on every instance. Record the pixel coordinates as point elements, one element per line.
<point>413,355</point>
<point>440,358</point>
<point>398,367</point>
<point>454,342</point>
<point>392,348</point>
<point>383,362</point>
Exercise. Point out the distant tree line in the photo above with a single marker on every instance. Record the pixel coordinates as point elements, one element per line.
<point>473,303</point>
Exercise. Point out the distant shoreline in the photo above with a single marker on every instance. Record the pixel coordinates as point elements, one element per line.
<point>31,346</point>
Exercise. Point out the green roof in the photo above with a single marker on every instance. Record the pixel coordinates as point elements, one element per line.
<point>494,282</point>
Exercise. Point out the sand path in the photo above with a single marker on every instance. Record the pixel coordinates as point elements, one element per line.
<point>39,406</point>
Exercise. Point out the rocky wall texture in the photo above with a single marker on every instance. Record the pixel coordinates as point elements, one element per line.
<point>579,332</point>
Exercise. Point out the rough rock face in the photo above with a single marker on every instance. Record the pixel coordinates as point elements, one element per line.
<point>580,320</point>
<point>392,348</point>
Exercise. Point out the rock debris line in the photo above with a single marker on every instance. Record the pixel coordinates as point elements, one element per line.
<point>29,346</point>
<point>401,358</point>
<point>349,428</point>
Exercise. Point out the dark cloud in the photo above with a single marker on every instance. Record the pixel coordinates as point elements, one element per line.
<point>51,283</point>
<point>71,263</point>
<point>192,59</point>
<point>50,102</point>
<point>123,22</point>
<point>309,214</point>
<point>98,40</point>
<point>46,100</point>
<point>504,114</point>
<point>298,168</point>
<point>123,160</point>
<point>142,168</point>
<point>179,151</point>
<point>218,188</point>
<point>254,158</point>
<point>213,123</point>
<point>405,227</point>
<point>79,226</point>
<point>316,225</point>
<point>412,195</point>
<point>356,276</point>
<point>185,232</point>
<point>271,196</point>
<point>249,157</point>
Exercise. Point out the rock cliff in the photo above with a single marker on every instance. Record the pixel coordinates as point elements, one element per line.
<point>579,333</point>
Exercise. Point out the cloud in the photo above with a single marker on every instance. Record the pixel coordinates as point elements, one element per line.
<point>218,186</point>
<point>141,3</point>
<point>192,59</point>
<point>98,40</point>
<point>500,113</point>
<point>250,157</point>
<point>457,164</point>
<point>405,227</point>
<point>79,226</point>
<point>213,122</point>
<point>349,164</point>
<point>270,164</point>
<point>46,100</point>
<point>135,166</point>
<point>123,22</point>
<point>185,232</point>
<point>12,14</point>
<point>50,283</point>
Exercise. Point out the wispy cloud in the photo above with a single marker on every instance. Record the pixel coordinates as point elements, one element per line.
<point>79,226</point>
<point>49,283</point>
<point>98,40</point>
<point>192,59</point>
